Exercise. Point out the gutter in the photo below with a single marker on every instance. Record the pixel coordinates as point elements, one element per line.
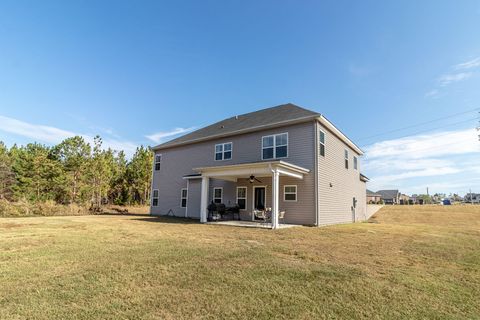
<point>324,121</point>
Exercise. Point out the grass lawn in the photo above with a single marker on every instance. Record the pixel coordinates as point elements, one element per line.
<point>413,262</point>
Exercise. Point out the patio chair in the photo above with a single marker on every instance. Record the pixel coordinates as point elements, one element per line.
<point>212,208</point>
<point>235,210</point>
<point>221,209</point>
<point>281,216</point>
<point>260,215</point>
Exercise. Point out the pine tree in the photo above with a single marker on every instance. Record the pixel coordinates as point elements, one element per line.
<point>7,177</point>
<point>73,153</point>
<point>139,173</point>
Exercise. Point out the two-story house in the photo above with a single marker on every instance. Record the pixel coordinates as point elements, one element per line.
<point>287,158</point>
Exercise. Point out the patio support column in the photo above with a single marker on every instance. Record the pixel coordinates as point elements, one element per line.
<point>204,199</point>
<point>275,191</point>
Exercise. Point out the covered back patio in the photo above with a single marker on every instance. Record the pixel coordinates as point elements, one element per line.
<point>256,177</point>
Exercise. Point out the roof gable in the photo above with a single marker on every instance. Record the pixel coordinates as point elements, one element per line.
<point>388,194</point>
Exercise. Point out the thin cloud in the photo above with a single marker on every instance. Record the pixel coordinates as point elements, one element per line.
<point>165,135</point>
<point>401,163</point>
<point>432,93</point>
<point>53,135</point>
<point>468,65</point>
<point>447,79</point>
<point>38,132</point>
<point>459,72</point>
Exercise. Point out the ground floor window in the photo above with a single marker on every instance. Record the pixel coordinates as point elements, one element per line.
<point>155,198</point>
<point>183,196</point>
<point>218,195</point>
<point>242,197</point>
<point>290,193</point>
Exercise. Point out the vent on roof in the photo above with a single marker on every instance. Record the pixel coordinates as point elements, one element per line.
<point>222,126</point>
<point>236,117</point>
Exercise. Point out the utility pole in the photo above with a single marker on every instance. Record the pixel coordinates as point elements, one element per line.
<point>470,195</point>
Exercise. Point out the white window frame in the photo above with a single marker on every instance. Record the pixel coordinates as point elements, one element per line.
<point>285,192</point>
<point>223,151</point>
<point>322,143</point>
<point>355,162</point>
<point>274,146</point>
<point>183,198</point>
<point>157,162</point>
<point>346,156</point>
<point>221,197</point>
<point>245,198</point>
<point>153,197</point>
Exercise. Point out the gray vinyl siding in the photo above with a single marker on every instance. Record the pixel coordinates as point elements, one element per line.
<point>179,161</point>
<point>193,201</point>
<point>335,201</point>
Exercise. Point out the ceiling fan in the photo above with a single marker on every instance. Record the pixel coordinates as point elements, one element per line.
<point>253,179</point>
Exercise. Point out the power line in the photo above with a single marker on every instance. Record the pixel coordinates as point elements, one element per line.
<point>419,124</point>
<point>432,129</point>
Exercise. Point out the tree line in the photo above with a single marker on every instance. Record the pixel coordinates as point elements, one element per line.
<point>75,172</point>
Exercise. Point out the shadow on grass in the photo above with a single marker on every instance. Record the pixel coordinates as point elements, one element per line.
<point>132,214</point>
<point>167,219</point>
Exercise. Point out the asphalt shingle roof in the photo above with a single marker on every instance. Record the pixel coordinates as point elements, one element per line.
<point>262,118</point>
<point>388,194</point>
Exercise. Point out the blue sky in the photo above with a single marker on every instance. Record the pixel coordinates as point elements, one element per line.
<point>136,72</point>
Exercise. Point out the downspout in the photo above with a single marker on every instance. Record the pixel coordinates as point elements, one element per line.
<point>188,194</point>
<point>315,170</point>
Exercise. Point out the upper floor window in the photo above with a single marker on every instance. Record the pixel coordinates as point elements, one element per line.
<point>155,198</point>
<point>275,146</point>
<point>322,143</point>
<point>183,197</point>
<point>355,163</point>
<point>158,161</point>
<point>223,151</point>
<point>346,159</point>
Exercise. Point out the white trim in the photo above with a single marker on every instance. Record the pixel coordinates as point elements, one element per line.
<point>193,177</point>
<point>213,195</point>
<point>285,193</point>
<point>246,191</point>
<point>204,199</point>
<point>326,123</point>
<point>223,151</point>
<point>315,172</point>
<point>252,167</point>
<point>181,198</point>
<point>186,208</point>
<point>274,146</point>
<point>324,143</point>
<point>157,197</point>
<point>275,198</point>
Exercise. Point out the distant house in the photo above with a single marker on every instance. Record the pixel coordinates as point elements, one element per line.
<point>373,197</point>
<point>390,196</point>
<point>284,163</point>
<point>404,199</point>
<point>472,198</point>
